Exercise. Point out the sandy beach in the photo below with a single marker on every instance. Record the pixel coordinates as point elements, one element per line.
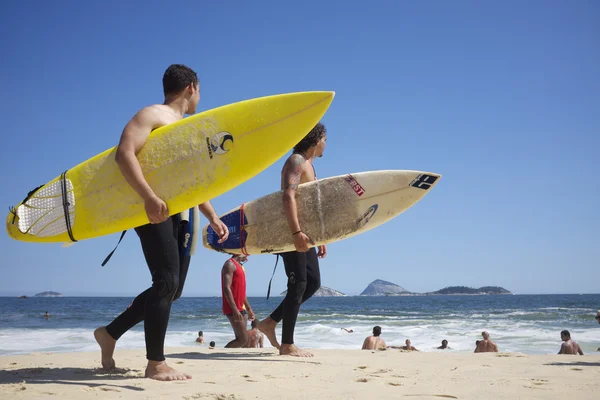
<point>331,374</point>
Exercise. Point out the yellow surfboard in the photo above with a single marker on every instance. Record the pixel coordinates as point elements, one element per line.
<point>186,163</point>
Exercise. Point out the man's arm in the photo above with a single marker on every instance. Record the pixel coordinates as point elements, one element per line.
<point>215,222</point>
<point>579,351</point>
<point>364,346</point>
<point>562,348</point>
<point>132,140</point>
<point>477,348</point>
<point>495,348</point>
<point>249,309</point>
<point>292,172</point>
<point>227,279</point>
<point>260,341</point>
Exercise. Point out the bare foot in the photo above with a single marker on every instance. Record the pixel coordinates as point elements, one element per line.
<point>160,371</point>
<point>267,326</point>
<point>107,347</point>
<point>291,350</point>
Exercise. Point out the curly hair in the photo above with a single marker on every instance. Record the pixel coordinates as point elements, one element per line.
<point>311,139</point>
<point>177,77</point>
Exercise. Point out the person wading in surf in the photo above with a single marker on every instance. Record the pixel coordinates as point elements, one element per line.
<point>160,239</point>
<point>302,265</point>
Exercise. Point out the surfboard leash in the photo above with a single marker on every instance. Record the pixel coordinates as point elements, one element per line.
<point>66,204</point>
<point>242,230</point>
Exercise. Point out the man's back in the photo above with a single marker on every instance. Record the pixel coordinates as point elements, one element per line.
<point>255,338</point>
<point>486,346</point>
<point>570,347</point>
<point>373,343</point>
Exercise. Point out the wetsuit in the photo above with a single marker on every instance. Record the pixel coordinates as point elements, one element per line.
<point>168,265</point>
<point>304,279</point>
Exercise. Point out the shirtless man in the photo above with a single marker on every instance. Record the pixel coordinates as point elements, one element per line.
<point>408,346</point>
<point>486,345</point>
<point>161,236</point>
<point>569,346</point>
<point>374,342</point>
<point>302,265</point>
<point>255,337</point>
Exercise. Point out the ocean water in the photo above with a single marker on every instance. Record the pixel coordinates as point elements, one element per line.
<point>529,324</point>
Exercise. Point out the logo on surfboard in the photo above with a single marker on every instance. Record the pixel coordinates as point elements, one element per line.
<point>358,189</point>
<point>424,181</point>
<point>362,221</point>
<point>220,143</point>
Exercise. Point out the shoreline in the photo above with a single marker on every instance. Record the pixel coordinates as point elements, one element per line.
<point>332,374</point>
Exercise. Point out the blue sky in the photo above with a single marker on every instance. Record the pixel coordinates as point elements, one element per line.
<point>501,98</point>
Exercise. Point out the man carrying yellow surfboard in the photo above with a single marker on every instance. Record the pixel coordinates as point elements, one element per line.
<point>302,265</point>
<point>160,238</point>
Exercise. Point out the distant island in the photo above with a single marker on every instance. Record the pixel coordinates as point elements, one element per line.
<point>323,291</point>
<point>383,288</point>
<point>48,294</point>
<point>473,291</point>
<point>380,287</point>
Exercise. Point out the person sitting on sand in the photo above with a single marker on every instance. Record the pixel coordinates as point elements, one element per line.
<point>444,345</point>
<point>235,301</point>
<point>200,338</point>
<point>408,346</point>
<point>374,342</point>
<point>255,337</point>
<point>569,346</point>
<point>486,345</point>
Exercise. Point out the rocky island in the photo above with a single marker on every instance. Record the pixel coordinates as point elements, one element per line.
<point>48,294</point>
<point>380,287</point>
<point>383,288</point>
<point>323,291</point>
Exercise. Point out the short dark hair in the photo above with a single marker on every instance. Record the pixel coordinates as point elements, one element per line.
<point>377,331</point>
<point>254,323</point>
<point>565,333</point>
<point>311,139</point>
<point>444,341</point>
<point>177,77</point>
<point>200,333</point>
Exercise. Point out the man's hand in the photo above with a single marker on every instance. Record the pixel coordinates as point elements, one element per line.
<point>220,229</point>
<point>237,316</point>
<point>156,210</point>
<point>322,251</point>
<point>250,315</point>
<point>302,242</point>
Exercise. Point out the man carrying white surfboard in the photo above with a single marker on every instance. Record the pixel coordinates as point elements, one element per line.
<point>302,265</point>
<point>160,238</point>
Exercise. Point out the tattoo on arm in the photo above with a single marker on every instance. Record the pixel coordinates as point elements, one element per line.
<point>293,172</point>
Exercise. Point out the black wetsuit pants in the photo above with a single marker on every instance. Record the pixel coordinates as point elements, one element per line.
<point>160,243</point>
<point>304,279</point>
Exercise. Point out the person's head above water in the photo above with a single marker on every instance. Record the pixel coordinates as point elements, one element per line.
<point>377,331</point>
<point>200,333</point>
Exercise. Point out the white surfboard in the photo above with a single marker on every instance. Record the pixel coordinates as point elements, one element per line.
<point>329,210</point>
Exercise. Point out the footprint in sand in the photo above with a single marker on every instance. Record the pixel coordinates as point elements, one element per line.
<point>105,389</point>
<point>362,380</point>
